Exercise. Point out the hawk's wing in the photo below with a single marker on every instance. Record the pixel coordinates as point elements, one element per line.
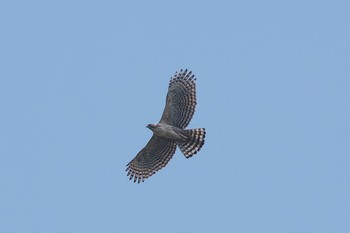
<point>181,100</point>
<point>154,156</point>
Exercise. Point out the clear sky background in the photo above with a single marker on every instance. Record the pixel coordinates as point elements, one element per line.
<point>80,80</point>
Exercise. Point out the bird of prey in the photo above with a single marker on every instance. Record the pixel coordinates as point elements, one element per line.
<point>170,131</point>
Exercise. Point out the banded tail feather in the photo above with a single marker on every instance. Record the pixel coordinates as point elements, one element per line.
<point>195,142</point>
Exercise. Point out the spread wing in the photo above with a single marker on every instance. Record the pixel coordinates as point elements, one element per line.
<point>154,156</point>
<point>181,100</point>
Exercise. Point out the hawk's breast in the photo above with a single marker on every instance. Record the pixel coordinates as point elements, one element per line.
<point>169,132</point>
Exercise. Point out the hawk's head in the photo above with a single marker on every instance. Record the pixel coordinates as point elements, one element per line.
<point>151,126</point>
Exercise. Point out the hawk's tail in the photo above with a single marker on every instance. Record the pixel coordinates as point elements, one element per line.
<point>195,142</point>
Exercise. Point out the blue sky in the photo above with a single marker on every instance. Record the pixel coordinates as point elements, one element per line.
<point>80,80</point>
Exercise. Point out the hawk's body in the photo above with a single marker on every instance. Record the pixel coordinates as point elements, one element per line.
<point>170,131</point>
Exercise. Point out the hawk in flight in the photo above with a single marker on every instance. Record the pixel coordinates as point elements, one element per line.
<point>170,131</point>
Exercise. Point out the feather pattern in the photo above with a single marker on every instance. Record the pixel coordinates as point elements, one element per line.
<point>181,100</point>
<point>154,156</point>
<point>195,142</point>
